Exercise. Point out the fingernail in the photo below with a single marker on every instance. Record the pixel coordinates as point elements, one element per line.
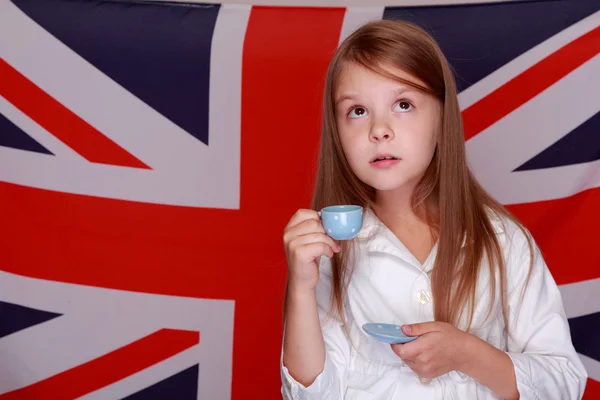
<point>406,328</point>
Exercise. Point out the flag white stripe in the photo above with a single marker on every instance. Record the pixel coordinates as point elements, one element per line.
<point>46,349</point>
<point>149,376</point>
<point>225,110</point>
<point>355,17</point>
<point>581,298</point>
<point>591,366</point>
<point>41,135</point>
<point>497,151</point>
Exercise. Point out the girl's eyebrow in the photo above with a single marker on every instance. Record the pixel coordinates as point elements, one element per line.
<point>345,97</point>
<point>405,89</point>
<point>396,92</point>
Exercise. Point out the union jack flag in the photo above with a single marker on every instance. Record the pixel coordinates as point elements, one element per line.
<point>151,153</point>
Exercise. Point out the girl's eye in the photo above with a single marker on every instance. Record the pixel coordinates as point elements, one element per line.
<point>403,106</point>
<point>357,112</point>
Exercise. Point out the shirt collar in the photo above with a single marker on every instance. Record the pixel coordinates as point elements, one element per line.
<point>375,236</point>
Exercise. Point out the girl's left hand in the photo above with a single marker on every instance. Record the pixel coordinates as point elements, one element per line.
<point>441,348</point>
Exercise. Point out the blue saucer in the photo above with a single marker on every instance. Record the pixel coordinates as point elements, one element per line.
<point>387,333</point>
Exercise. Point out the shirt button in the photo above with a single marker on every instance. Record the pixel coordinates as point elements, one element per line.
<point>423,297</point>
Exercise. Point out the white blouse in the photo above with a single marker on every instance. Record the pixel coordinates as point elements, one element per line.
<point>390,285</point>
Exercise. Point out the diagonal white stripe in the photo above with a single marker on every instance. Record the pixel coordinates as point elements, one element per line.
<point>42,136</point>
<point>65,342</point>
<point>494,153</point>
<point>149,376</point>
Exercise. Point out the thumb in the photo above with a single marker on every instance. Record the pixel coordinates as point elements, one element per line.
<point>419,329</point>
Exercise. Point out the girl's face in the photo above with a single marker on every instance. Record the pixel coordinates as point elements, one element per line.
<point>388,130</point>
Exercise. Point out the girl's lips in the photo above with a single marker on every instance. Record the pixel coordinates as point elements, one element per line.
<point>385,163</point>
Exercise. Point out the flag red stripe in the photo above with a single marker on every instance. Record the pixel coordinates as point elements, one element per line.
<point>530,83</point>
<point>567,232</point>
<point>127,245</point>
<point>109,368</point>
<point>286,54</point>
<point>60,121</point>
<point>592,390</point>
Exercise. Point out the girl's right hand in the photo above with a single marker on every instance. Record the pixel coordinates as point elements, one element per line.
<point>305,242</point>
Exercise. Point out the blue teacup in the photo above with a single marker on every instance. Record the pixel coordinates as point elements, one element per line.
<point>342,222</point>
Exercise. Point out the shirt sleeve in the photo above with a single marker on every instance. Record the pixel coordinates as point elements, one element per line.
<point>539,341</point>
<point>331,382</point>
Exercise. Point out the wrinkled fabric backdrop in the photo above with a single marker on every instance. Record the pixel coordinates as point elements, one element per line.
<point>152,152</point>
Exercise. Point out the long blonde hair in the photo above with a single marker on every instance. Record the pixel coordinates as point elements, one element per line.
<point>463,205</point>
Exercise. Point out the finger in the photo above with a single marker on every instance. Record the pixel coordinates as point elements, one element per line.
<point>309,227</point>
<point>402,352</point>
<point>318,237</point>
<point>410,350</point>
<point>300,216</point>
<point>422,328</point>
<point>303,227</point>
<point>397,348</point>
<point>315,250</point>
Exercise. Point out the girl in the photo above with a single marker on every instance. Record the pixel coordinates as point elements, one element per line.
<point>436,253</point>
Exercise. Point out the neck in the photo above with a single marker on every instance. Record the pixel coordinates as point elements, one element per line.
<point>394,207</point>
<point>393,203</point>
<point>409,225</point>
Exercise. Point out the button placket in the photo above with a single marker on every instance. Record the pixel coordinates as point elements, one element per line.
<point>423,297</point>
<point>424,294</point>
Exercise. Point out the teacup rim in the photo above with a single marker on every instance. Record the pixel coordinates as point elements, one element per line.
<point>354,208</point>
